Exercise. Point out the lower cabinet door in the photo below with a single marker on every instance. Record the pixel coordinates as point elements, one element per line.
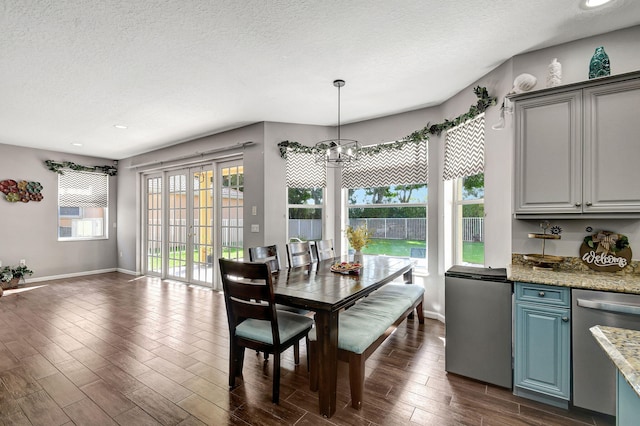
<point>543,349</point>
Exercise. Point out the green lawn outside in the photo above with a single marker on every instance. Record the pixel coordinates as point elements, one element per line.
<point>473,252</point>
<point>392,247</point>
<point>178,258</point>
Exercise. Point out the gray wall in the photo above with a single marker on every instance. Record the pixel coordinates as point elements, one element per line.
<point>623,48</point>
<point>129,189</point>
<point>31,233</point>
<point>30,230</point>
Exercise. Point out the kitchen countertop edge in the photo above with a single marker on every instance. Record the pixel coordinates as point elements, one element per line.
<point>601,281</point>
<point>622,346</point>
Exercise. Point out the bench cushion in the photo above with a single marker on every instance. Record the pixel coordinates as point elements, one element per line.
<point>366,321</point>
<point>412,291</point>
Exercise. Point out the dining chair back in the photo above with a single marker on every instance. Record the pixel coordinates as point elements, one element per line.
<point>299,254</point>
<point>324,250</point>
<point>266,254</point>
<point>254,321</point>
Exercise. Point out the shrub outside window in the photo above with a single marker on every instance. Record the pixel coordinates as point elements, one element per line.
<point>305,207</point>
<point>396,216</point>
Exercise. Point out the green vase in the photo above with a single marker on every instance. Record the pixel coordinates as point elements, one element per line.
<point>599,65</point>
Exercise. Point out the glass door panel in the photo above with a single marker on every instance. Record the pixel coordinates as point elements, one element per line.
<point>231,209</point>
<point>177,253</point>
<point>183,234</point>
<point>202,226</point>
<point>153,225</point>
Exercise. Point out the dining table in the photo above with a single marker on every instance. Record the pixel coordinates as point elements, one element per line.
<point>317,288</point>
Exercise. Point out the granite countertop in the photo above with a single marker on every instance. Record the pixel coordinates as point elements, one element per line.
<point>589,280</point>
<point>623,347</point>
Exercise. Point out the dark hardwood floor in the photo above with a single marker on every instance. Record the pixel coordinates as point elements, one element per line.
<point>115,349</point>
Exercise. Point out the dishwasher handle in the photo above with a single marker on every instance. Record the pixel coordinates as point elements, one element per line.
<point>603,305</point>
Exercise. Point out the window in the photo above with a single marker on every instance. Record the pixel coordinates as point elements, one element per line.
<point>396,216</point>
<point>464,165</point>
<point>306,181</point>
<point>386,190</point>
<point>469,220</point>
<point>83,199</point>
<point>305,207</point>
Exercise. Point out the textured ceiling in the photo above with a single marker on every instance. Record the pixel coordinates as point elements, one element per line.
<point>173,70</point>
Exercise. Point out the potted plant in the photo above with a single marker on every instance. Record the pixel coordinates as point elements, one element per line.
<point>10,276</point>
<point>358,239</point>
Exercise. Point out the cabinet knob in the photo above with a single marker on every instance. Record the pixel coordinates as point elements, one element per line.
<point>578,204</point>
<point>589,204</point>
<point>541,294</point>
<point>565,319</point>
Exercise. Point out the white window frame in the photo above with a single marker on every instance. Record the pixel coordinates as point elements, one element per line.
<point>321,206</point>
<point>456,222</point>
<point>422,264</point>
<point>81,222</point>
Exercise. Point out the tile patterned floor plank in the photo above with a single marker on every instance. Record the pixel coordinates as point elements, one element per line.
<point>109,349</point>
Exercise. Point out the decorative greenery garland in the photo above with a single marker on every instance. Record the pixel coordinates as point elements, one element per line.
<point>57,168</point>
<point>484,102</point>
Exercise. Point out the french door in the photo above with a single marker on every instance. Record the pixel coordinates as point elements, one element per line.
<point>192,216</point>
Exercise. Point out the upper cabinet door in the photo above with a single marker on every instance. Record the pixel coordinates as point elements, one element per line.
<point>548,153</point>
<point>612,147</point>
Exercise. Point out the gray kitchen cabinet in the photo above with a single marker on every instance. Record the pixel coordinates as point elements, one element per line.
<point>575,149</point>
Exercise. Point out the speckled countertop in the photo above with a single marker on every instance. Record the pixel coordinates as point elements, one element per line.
<point>572,273</point>
<point>577,279</point>
<point>623,347</point>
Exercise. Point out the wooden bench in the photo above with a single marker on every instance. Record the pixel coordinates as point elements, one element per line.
<point>364,327</point>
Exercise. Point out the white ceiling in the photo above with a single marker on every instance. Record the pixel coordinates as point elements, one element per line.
<point>173,70</point>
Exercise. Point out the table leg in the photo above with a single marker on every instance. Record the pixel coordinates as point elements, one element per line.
<point>408,279</point>
<point>408,276</point>
<point>327,334</point>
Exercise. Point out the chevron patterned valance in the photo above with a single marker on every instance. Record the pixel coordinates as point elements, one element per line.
<point>404,166</point>
<point>464,149</point>
<point>304,172</point>
<point>83,189</point>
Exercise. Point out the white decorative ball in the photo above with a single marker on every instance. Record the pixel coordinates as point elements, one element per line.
<point>524,83</point>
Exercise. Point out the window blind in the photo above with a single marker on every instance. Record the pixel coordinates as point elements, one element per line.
<point>83,189</point>
<point>404,166</point>
<point>304,172</point>
<point>464,149</point>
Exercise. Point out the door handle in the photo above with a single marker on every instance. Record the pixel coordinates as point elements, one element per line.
<point>603,305</point>
<point>565,319</point>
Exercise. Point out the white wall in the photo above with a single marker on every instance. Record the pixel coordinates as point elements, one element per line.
<point>30,230</point>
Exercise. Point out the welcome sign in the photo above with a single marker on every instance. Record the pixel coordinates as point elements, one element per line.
<point>606,251</point>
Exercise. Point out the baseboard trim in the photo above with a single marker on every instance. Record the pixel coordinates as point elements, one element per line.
<point>434,315</point>
<point>71,275</point>
<point>128,272</point>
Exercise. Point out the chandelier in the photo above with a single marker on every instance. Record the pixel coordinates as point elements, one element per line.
<point>337,152</point>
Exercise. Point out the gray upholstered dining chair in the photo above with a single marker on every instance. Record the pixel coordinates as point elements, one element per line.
<point>299,254</point>
<point>324,250</point>
<point>254,321</point>
<point>266,254</point>
<point>269,254</point>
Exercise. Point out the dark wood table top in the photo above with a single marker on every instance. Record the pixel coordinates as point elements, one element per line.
<point>317,288</point>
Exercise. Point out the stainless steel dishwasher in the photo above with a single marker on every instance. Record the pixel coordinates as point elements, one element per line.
<point>594,375</point>
<point>478,324</point>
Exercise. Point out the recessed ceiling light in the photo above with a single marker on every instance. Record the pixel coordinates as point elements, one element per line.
<point>119,126</point>
<point>590,4</point>
<point>76,144</point>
